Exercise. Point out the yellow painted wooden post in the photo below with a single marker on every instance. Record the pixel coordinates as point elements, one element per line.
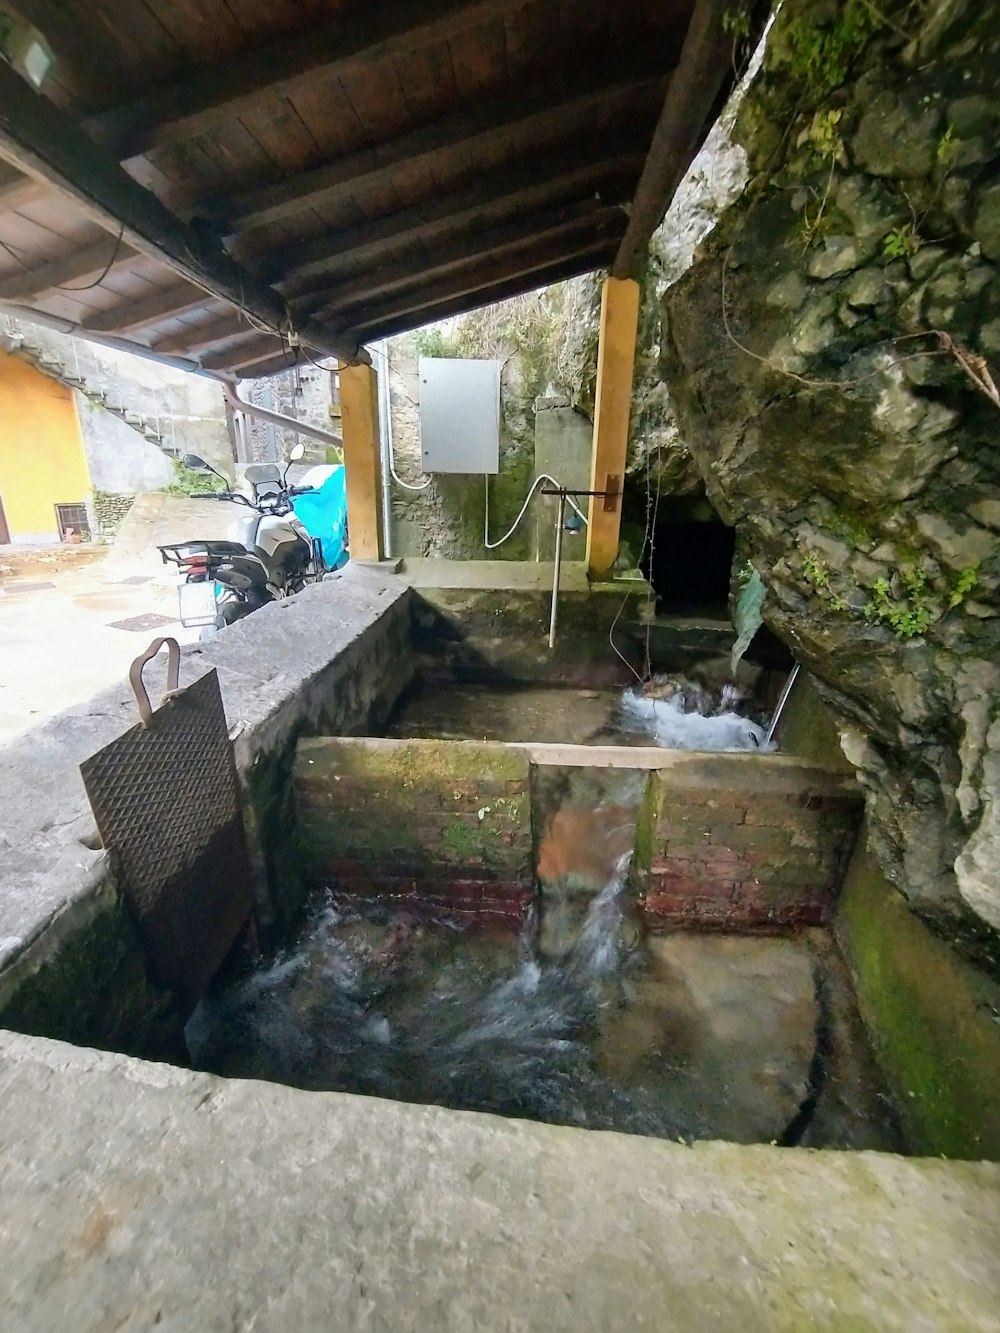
<point>362,460</point>
<point>612,409</point>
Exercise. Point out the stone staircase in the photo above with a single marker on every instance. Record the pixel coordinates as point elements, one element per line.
<point>81,366</point>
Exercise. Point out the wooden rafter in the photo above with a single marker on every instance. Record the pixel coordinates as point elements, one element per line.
<point>470,130</point>
<point>703,73</point>
<point>542,237</point>
<point>16,189</point>
<point>532,185</point>
<point>209,97</point>
<point>473,279</point>
<point>255,347</point>
<point>71,270</point>
<point>199,338</point>
<point>376,327</point>
<point>133,315</point>
<point>47,143</point>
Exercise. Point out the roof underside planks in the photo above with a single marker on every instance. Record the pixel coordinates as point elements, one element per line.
<point>241,186</point>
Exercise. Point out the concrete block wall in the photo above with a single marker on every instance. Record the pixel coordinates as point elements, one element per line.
<point>438,825</point>
<point>743,842</point>
<point>71,966</point>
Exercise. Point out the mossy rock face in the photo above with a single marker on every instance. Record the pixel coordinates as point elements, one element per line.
<point>85,981</point>
<point>933,1020</point>
<point>849,446</point>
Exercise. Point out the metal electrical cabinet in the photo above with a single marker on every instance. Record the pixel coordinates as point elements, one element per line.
<point>460,415</point>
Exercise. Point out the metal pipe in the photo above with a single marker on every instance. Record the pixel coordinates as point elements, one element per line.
<point>560,520</point>
<point>385,440</point>
<point>792,677</point>
<point>277,419</point>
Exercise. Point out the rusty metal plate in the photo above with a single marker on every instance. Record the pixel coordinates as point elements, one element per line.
<point>166,800</point>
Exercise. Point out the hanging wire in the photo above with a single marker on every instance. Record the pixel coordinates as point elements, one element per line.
<point>61,287</point>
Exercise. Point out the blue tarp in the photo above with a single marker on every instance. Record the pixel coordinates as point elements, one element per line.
<point>324,514</point>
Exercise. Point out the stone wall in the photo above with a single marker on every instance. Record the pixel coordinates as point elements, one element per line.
<point>308,393</point>
<point>822,355</point>
<point>434,825</point>
<point>108,511</point>
<point>448,517</point>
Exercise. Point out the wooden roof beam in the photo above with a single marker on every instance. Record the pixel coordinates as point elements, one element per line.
<point>549,231</point>
<point>150,310</point>
<point>46,142</point>
<point>387,326</point>
<point>275,365</point>
<point>474,277</point>
<point>73,270</point>
<point>16,189</point>
<point>199,337</point>
<point>530,185</point>
<point>472,130</point>
<point>694,96</point>
<point>208,97</point>
<point>261,347</point>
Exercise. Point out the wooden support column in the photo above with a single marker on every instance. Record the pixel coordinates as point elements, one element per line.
<point>612,409</point>
<point>362,460</point>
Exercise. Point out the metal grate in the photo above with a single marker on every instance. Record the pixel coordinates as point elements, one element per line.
<point>72,520</point>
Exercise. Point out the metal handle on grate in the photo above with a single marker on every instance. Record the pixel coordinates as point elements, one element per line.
<point>138,685</point>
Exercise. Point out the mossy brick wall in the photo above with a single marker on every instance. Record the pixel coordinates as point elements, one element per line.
<point>744,842</point>
<point>441,825</point>
<point>931,1016</point>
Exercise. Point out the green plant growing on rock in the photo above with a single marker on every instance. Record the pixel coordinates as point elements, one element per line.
<point>909,615</point>
<point>964,584</point>
<point>433,342</point>
<point>815,573</point>
<point>901,242</point>
<point>824,134</point>
<point>736,24</point>
<point>947,149</point>
<point>819,55</point>
<point>186,481</point>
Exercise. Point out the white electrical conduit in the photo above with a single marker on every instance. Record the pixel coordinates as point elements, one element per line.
<point>406,485</point>
<point>544,476</point>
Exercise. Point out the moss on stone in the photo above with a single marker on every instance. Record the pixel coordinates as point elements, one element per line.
<point>933,1019</point>
<point>85,981</point>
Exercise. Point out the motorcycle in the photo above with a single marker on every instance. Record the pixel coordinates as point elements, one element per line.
<point>268,555</point>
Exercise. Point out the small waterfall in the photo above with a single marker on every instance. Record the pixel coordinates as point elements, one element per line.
<point>600,945</point>
<point>672,724</point>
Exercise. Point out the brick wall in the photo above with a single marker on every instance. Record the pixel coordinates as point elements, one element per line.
<point>722,841</point>
<point>743,842</point>
<point>442,826</point>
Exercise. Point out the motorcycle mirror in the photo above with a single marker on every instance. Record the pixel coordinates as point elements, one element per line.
<point>296,452</point>
<point>195,463</point>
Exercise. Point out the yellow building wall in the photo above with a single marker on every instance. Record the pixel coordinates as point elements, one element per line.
<point>42,461</point>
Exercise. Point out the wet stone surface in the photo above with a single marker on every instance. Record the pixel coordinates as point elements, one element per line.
<point>683,1037</point>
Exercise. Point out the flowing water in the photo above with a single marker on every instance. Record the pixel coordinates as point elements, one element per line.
<point>673,711</point>
<point>683,1037</point>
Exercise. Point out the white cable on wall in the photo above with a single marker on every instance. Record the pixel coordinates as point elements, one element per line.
<point>544,476</point>
<point>383,351</point>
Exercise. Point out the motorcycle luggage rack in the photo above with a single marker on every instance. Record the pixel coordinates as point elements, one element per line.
<point>180,553</point>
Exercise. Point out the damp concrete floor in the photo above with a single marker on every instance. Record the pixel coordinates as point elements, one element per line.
<point>136,1196</point>
<point>71,632</point>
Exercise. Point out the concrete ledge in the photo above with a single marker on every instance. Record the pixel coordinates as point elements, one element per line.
<point>337,655</point>
<point>141,1196</point>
